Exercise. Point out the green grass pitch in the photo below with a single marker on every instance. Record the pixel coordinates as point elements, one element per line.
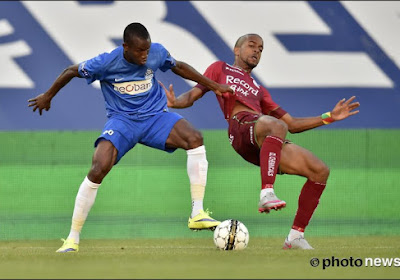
<point>196,258</point>
<point>143,206</point>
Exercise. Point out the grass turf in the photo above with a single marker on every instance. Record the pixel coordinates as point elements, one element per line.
<point>190,258</point>
<point>147,196</point>
<point>142,205</point>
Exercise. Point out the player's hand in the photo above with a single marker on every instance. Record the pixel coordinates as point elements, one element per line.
<point>170,94</point>
<point>41,102</point>
<point>344,109</point>
<point>221,89</point>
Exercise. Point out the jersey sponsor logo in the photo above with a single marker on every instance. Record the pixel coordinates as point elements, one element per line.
<point>133,87</point>
<point>241,86</point>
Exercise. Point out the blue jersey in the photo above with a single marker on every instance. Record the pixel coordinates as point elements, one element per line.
<point>129,89</point>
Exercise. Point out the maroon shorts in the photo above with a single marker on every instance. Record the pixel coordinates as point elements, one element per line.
<point>242,136</point>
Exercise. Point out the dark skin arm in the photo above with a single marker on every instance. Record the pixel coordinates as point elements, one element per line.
<point>188,72</point>
<point>43,101</point>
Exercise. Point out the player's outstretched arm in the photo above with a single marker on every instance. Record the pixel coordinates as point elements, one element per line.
<point>43,101</point>
<point>188,72</point>
<point>184,100</point>
<point>343,109</point>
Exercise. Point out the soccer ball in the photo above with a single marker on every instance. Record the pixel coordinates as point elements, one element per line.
<point>231,235</point>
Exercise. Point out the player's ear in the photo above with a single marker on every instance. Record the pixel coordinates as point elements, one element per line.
<point>236,51</point>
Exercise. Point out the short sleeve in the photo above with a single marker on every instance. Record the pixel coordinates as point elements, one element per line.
<point>92,69</point>
<point>269,107</point>
<point>167,61</point>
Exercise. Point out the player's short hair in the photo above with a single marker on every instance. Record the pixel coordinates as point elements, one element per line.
<point>135,29</point>
<point>243,38</point>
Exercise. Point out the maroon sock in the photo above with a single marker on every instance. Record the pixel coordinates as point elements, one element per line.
<point>308,202</point>
<point>270,155</point>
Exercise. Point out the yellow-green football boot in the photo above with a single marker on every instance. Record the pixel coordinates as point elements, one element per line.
<point>203,221</point>
<point>69,246</point>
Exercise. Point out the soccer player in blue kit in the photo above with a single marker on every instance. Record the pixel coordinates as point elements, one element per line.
<point>137,112</point>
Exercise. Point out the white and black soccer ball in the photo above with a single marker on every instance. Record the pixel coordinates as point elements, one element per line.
<point>231,235</point>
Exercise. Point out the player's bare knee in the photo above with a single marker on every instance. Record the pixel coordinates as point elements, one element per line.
<point>195,140</point>
<point>279,128</point>
<point>270,126</point>
<point>98,171</point>
<point>320,173</point>
<point>325,171</point>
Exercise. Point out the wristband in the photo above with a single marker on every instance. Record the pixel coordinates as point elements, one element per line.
<point>326,118</point>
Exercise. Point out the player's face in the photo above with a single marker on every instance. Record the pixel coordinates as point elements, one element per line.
<point>137,50</point>
<point>250,51</point>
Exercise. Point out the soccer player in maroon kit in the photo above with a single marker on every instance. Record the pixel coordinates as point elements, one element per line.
<point>257,131</point>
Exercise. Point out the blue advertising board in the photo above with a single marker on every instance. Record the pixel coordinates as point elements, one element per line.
<point>315,53</point>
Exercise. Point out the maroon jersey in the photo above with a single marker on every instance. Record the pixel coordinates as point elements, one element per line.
<point>247,91</point>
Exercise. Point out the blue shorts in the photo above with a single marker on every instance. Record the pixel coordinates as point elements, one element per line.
<point>125,133</point>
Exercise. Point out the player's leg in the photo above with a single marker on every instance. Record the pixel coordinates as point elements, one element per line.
<point>104,158</point>
<point>269,133</point>
<point>184,135</point>
<point>111,146</point>
<point>296,160</point>
<point>168,131</point>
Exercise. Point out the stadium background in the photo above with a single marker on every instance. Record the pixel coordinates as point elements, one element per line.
<point>315,54</point>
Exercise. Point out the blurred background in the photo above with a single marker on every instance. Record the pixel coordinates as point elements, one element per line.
<point>315,53</point>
